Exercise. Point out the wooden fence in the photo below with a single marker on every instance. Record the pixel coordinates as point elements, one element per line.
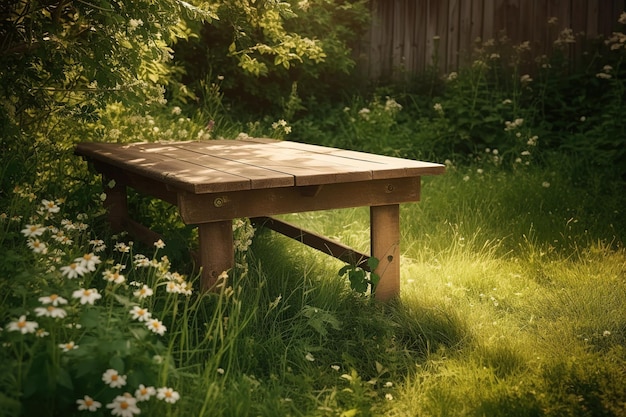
<point>404,34</point>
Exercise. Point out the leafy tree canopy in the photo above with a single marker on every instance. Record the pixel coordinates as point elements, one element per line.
<point>70,57</point>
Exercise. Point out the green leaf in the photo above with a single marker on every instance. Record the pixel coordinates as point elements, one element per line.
<point>374,280</point>
<point>320,320</point>
<point>345,269</point>
<point>373,263</point>
<point>90,318</point>
<point>87,366</point>
<point>117,363</point>
<point>9,406</point>
<point>64,379</point>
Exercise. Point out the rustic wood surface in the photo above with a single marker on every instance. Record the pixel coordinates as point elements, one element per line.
<point>233,165</point>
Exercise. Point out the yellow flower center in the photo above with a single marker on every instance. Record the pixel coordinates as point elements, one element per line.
<point>124,405</point>
<point>21,324</point>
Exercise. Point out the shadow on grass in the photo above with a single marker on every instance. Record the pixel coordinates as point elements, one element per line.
<point>318,313</point>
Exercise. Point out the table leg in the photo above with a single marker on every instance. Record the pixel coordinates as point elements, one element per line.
<point>216,251</point>
<point>385,246</point>
<point>116,204</point>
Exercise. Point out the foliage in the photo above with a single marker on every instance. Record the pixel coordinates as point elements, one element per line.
<point>552,103</point>
<point>264,49</point>
<point>72,56</point>
<point>108,332</point>
<point>360,279</point>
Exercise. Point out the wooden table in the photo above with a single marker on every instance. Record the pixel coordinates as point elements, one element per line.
<point>213,182</point>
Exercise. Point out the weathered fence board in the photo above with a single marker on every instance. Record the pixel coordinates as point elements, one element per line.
<point>406,35</point>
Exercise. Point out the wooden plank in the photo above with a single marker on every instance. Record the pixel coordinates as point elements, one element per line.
<point>489,30</point>
<point>432,44</point>
<point>453,33</point>
<point>606,23</point>
<point>442,32</point>
<point>163,169</point>
<point>140,232</point>
<point>388,42</point>
<point>592,17</point>
<point>382,166</point>
<point>409,46</point>
<point>307,168</point>
<point>538,32</point>
<point>202,208</point>
<point>375,40</point>
<point>526,13</point>
<point>316,241</point>
<point>511,18</point>
<point>385,246</point>
<point>420,37</point>
<point>477,20</point>
<point>259,177</point>
<point>397,34</point>
<point>579,23</point>
<point>466,28</point>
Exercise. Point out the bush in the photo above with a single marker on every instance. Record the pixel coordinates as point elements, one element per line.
<point>263,56</point>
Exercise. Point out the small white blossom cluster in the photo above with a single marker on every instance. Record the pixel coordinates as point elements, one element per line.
<point>59,309</point>
<point>282,127</point>
<point>170,126</point>
<point>617,41</point>
<point>126,404</point>
<point>606,73</point>
<point>525,79</point>
<point>508,125</point>
<point>392,106</point>
<point>565,37</point>
<point>244,232</point>
<point>378,112</point>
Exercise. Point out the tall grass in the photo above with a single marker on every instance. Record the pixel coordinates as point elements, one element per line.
<point>512,304</point>
<point>507,286</point>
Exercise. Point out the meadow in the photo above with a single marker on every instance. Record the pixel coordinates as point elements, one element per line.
<point>513,263</point>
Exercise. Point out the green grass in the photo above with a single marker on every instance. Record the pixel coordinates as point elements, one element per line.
<point>511,304</point>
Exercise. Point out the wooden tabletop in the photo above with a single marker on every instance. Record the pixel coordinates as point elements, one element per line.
<point>253,163</point>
